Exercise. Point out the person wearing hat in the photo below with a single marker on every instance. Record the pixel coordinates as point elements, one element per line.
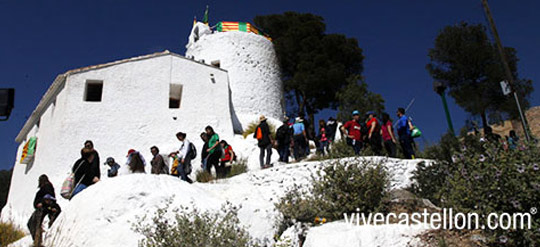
<point>114,167</point>
<point>299,138</point>
<point>284,137</point>
<point>265,141</point>
<point>44,204</point>
<point>351,129</point>
<point>374,133</point>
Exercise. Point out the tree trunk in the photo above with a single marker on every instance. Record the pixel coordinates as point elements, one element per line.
<point>311,116</point>
<point>300,101</point>
<point>484,120</point>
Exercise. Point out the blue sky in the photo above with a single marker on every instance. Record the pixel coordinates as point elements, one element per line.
<point>40,39</point>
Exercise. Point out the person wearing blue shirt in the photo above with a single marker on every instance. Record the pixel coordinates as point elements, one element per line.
<point>404,133</point>
<point>299,138</point>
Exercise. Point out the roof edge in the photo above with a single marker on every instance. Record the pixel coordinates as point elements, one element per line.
<point>59,82</point>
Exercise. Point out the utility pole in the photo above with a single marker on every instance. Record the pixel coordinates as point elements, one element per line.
<point>439,88</point>
<point>507,71</point>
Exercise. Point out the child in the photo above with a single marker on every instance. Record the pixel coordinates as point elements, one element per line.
<point>113,171</point>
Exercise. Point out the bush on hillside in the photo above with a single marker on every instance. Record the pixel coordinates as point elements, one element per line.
<point>238,168</point>
<point>192,227</point>
<point>484,178</point>
<point>203,176</point>
<point>9,233</point>
<point>340,149</point>
<point>339,188</point>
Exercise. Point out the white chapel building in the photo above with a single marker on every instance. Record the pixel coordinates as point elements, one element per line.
<point>226,80</point>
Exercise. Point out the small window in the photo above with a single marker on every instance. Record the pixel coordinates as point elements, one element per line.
<point>175,96</point>
<point>94,90</point>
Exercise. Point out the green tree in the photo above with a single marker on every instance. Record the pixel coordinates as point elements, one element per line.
<point>468,63</point>
<point>356,96</point>
<point>314,65</point>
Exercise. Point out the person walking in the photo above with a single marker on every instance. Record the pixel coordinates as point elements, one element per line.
<point>184,157</point>
<point>265,141</point>
<point>44,205</point>
<point>404,128</point>
<point>157,163</point>
<point>322,138</point>
<point>299,138</point>
<point>331,128</point>
<point>85,174</point>
<point>284,137</point>
<point>113,167</point>
<point>214,151</point>
<point>351,129</point>
<point>389,139</point>
<point>204,152</point>
<point>374,133</point>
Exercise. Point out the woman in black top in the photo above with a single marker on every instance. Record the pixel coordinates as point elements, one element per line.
<point>85,174</point>
<point>44,205</point>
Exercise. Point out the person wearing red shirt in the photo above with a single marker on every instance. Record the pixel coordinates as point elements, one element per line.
<point>374,133</point>
<point>228,158</point>
<point>351,129</point>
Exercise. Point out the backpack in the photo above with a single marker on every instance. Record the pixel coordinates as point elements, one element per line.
<point>258,133</point>
<point>282,132</point>
<point>192,151</point>
<point>165,169</point>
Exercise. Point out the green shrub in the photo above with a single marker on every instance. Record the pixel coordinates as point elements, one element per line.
<point>192,227</point>
<point>250,129</point>
<point>238,168</point>
<point>339,188</point>
<point>203,176</point>
<point>9,233</point>
<point>432,179</point>
<point>340,149</point>
<point>442,151</point>
<point>484,178</point>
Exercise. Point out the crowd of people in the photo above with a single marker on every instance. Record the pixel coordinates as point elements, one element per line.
<point>359,133</point>
<point>218,154</point>
<point>291,139</point>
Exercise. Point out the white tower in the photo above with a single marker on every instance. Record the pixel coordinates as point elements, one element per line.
<point>254,74</point>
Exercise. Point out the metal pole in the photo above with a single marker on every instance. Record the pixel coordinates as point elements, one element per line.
<point>506,67</point>
<point>448,119</point>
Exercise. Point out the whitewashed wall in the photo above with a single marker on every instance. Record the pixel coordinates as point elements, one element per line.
<point>133,113</point>
<point>253,68</point>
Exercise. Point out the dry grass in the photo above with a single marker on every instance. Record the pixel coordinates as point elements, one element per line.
<point>203,176</point>
<point>250,129</point>
<point>9,233</point>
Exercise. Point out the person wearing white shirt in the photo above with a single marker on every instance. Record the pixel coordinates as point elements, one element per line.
<point>184,157</point>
